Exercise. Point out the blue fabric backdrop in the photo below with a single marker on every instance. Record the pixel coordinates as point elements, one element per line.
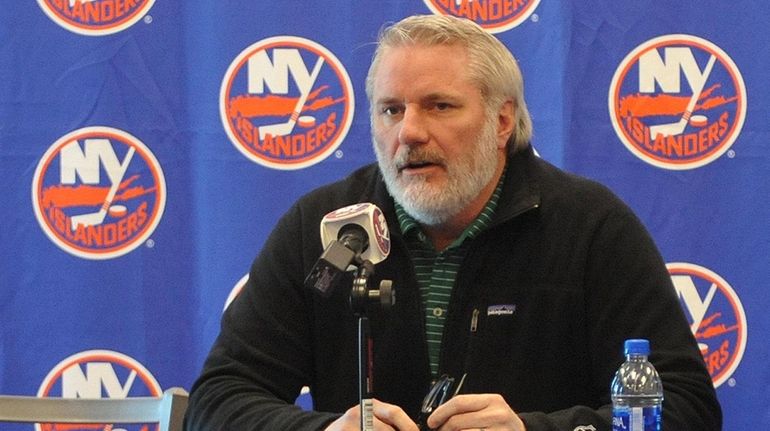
<point>144,116</point>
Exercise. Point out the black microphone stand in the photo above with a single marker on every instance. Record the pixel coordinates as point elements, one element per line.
<point>361,296</point>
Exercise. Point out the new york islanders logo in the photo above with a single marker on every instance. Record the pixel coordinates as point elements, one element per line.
<point>677,102</point>
<point>98,192</point>
<point>716,317</point>
<point>95,17</point>
<point>286,102</point>
<point>495,16</point>
<point>98,374</point>
<point>381,232</point>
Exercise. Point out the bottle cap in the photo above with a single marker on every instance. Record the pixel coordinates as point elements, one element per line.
<point>637,347</point>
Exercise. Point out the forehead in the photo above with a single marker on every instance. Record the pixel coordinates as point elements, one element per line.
<point>412,69</point>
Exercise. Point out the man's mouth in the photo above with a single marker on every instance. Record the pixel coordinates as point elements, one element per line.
<point>417,166</point>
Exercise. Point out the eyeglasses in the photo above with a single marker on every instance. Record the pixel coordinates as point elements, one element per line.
<point>439,394</point>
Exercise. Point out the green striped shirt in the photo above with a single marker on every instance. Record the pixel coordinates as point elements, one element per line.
<point>436,271</point>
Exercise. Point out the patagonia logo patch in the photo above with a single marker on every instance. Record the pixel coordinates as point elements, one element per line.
<point>501,310</point>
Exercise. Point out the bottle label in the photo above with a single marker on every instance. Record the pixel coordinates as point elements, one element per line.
<point>636,418</point>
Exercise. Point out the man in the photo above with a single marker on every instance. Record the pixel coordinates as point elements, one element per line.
<point>521,277</point>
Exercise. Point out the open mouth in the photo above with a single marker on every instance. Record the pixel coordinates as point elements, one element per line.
<point>417,167</point>
<point>419,163</point>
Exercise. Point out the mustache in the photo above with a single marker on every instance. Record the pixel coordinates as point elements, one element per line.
<point>412,156</point>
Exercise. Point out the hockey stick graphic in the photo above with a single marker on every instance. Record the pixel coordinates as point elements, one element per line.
<point>282,129</point>
<point>91,219</point>
<point>672,129</point>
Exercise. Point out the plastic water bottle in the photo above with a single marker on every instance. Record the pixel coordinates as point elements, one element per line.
<point>637,392</point>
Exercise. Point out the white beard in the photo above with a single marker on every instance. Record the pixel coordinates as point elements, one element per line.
<point>434,204</point>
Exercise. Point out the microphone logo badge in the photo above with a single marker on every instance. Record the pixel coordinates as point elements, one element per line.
<point>495,16</point>
<point>677,102</point>
<point>716,316</point>
<point>286,102</point>
<point>381,232</point>
<point>95,17</point>
<point>98,193</point>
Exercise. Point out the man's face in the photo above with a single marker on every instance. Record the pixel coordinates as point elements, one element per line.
<point>436,146</point>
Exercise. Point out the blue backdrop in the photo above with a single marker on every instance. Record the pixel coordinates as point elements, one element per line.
<point>142,181</point>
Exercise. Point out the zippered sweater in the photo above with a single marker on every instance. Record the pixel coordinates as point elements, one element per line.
<point>542,304</point>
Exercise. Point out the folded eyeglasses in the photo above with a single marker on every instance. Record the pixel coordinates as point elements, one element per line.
<point>439,393</point>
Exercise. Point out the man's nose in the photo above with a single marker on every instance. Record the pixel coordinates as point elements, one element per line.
<point>413,129</point>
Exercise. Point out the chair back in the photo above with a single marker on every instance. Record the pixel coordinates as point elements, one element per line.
<point>167,410</point>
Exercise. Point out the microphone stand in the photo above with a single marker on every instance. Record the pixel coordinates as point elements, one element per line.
<point>360,297</point>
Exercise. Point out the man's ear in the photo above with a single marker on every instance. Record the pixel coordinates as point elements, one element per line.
<point>505,123</point>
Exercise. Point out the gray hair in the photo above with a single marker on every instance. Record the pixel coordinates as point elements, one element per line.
<point>491,65</point>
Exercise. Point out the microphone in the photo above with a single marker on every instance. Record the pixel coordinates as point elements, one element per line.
<point>353,234</point>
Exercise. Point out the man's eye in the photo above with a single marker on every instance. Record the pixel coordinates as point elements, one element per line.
<point>443,106</point>
<point>391,110</point>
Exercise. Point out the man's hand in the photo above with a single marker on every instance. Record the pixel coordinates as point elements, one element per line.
<point>487,412</point>
<point>387,417</point>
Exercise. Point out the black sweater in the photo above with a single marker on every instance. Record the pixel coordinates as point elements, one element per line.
<point>577,267</point>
